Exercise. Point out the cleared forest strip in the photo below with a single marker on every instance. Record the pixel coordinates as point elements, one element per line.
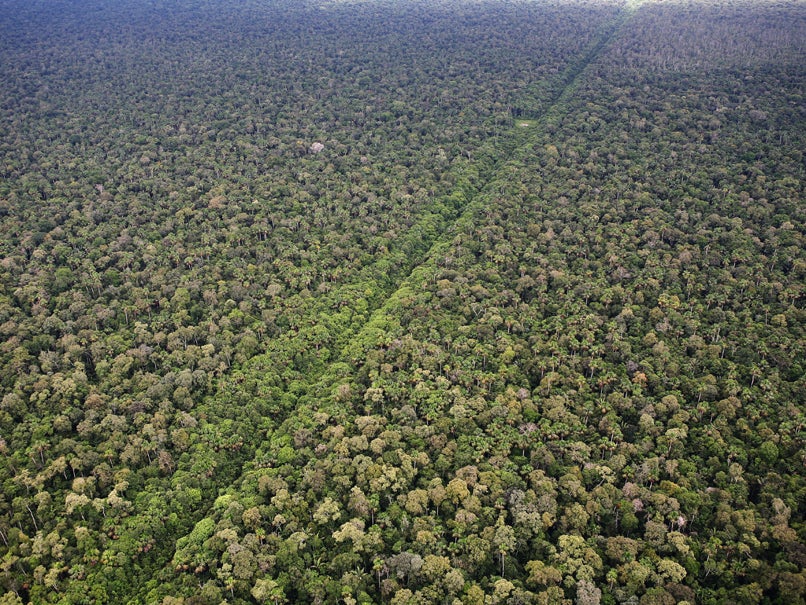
<point>253,399</point>
<point>550,102</point>
<point>515,148</point>
<point>499,183</point>
<point>254,393</point>
<point>256,398</point>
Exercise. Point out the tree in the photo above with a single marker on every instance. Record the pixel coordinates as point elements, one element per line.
<point>541,574</point>
<point>588,593</point>
<point>503,541</point>
<point>268,591</point>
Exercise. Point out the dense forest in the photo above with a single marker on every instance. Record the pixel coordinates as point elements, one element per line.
<point>438,301</point>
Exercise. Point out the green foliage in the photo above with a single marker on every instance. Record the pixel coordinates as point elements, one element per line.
<point>294,309</point>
